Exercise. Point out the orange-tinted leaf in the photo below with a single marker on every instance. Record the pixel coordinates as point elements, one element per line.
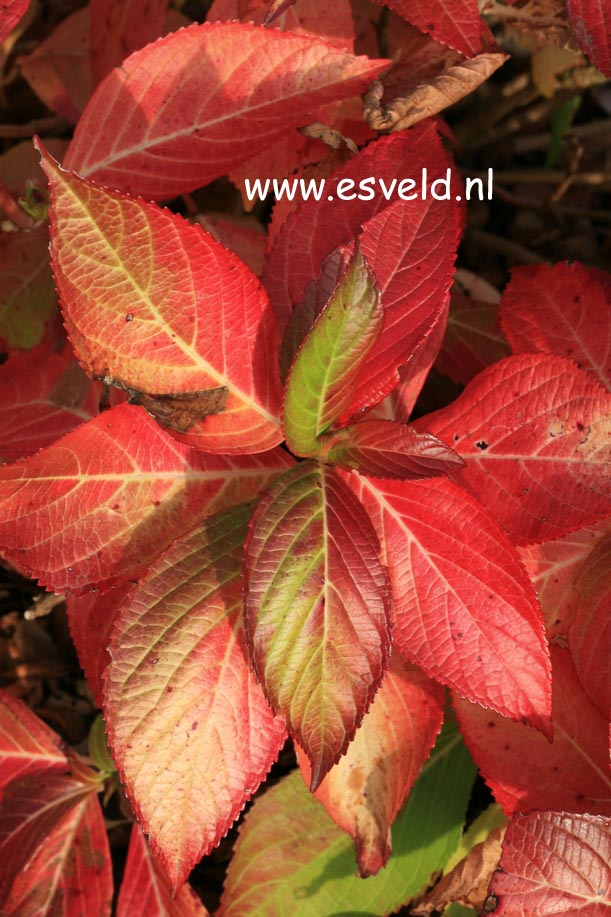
<point>186,316</point>
<point>455,23</point>
<point>189,728</point>
<point>232,89</point>
<point>590,631</point>
<point>553,863</point>
<point>27,746</point>
<point>310,17</point>
<point>314,588</point>
<point>119,27</point>
<point>146,890</point>
<point>100,504</point>
<point>535,431</point>
<point>27,298</point>
<point>563,309</point>
<point>465,609</point>
<point>524,770</point>
<point>11,11</point>
<point>591,23</point>
<point>364,791</point>
<point>386,449</point>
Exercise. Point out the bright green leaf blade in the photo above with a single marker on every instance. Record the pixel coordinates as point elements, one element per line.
<point>291,859</point>
<point>477,832</point>
<point>321,380</point>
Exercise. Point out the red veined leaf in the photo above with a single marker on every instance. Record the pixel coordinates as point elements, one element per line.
<point>412,265</point>
<point>525,771</point>
<point>11,11</point>
<point>312,17</point>
<point>321,379</point>
<point>122,487</point>
<point>119,27</point>
<point>554,568</point>
<point>27,746</point>
<point>563,309</point>
<point>91,618</point>
<point>465,610</point>
<point>43,396</point>
<point>535,431</point>
<point>21,162</point>
<point>591,23</point>
<point>189,727</point>
<point>590,631</point>
<point>553,863</point>
<point>177,297</point>
<point>234,87</point>
<point>364,791</point>
<point>27,298</point>
<point>473,338</point>
<point>455,23</point>
<point>315,585</point>
<point>241,234</point>
<point>69,870</point>
<point>386,449</point>
<point>146,890</point>
<point>57,70</point>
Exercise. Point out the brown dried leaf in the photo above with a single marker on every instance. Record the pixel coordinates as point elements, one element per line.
<point>182,410</point>
<point>330,137</point>
<point>541,22</point>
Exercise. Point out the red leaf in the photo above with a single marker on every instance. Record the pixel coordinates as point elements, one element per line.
<point>386,449</point>
<point>590,632</point>
<point>535,432</point>
<point>591,22</point>
<point>553,863</point>
<point>91,618</point>
<point>455,23</point>
<point>27,746</point>
<point>314,586</point>
<point>409,245</point>
<point>119,27</point>
<point>146,890</point>
<point>312,17</point>
<point>121,487</point>
<point>28,302</point>
<point>11,11</point>
<point>54,856</point>
<point>473,339</point>
<point>466,611</point>
<point>177,295</point>
<point>189,728</point>
<point>43,396</point>
<point>364,791</point>
<point>240,234</point>
<point>555,566</point>
<point>524,770</point>
<point>563,309</point>
<point>234,89</point>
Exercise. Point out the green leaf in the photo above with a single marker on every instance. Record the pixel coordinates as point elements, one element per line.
<point>322,377</point>
<point>477,832</point>
<point>98,748</point>
<point>291,858</point>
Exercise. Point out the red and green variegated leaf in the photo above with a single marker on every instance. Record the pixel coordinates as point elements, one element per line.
<point>525,771</point>
<point>553,863</point>
<point>11,11</point>
<point>312,17</point>
<point>70,871</point>
<point>291,858</point>
<point>315,228</point>
<point>119,27</point>
<point>466,611</point>
<point>455,23</point>
<point>386,449</point>
<point>473,339</point>
<point>563,309</point>
<point>97,506</point>
<point>591,22</point>
<point>91,618</point>
<point>27,746</point>
<point>321,379</point>
<point>590,631</point>
<point>365,790</point>
<point>186,317</point>
<point>228,90</point>
<point>145,888</point>
<point>190,730</point>
<point>535,431</point>
<point>43,396</point>
<point>27,299</point>
<point>554,568</point>
<point>317,609</point>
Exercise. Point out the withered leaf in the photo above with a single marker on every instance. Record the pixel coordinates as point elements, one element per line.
<point>178,411</point>
<point>330,137</point>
